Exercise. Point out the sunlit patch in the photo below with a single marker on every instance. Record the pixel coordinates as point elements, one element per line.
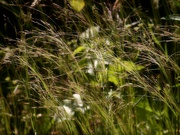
<point>77,5</point>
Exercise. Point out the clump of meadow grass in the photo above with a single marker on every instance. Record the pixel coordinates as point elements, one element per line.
<point>116,77</point>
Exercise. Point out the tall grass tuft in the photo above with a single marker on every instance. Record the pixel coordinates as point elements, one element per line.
<point>90,72</point>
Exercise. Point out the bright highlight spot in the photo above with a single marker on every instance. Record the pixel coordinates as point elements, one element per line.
<point>77,5</point>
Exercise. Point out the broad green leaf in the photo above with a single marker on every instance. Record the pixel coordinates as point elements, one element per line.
<point>144,105</point>
<point>78,50</point>
<point>77,5</point>
<point>118,71</point>
<point>130,66</point>
<point>113,79</point>
<point>125,66</point>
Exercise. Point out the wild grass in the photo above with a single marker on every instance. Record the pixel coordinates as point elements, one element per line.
<point>91,75</point>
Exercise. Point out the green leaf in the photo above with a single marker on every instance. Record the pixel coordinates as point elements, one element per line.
<point>118,71</point>
<point>145,105</point>
<point>78,50</point>
<point>125,66</point>
<point>77,5</point>
<point>130,66</point>
<point>113,79</point>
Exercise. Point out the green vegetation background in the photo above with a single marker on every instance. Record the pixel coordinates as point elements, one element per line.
<point>108,68</point>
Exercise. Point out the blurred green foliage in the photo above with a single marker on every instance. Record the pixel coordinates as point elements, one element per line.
<point>123,63</point>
